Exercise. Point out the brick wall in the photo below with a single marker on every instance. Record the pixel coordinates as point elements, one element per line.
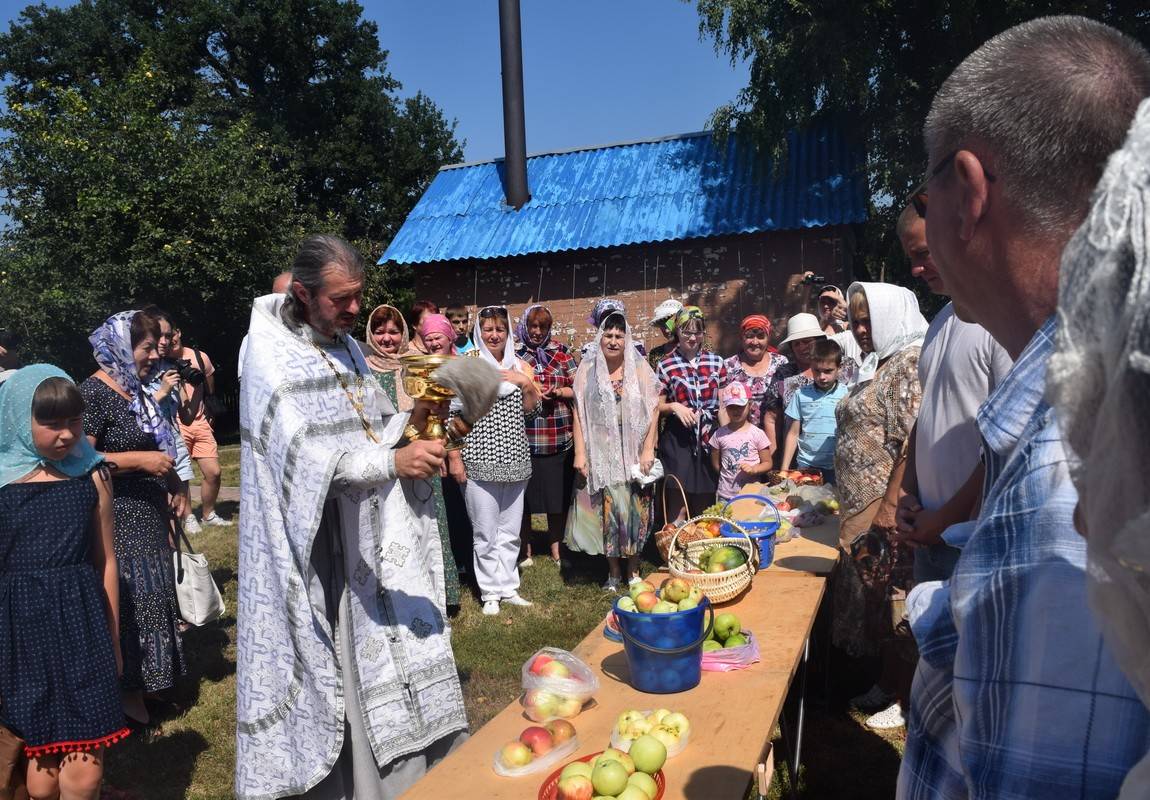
<point>728,277</point>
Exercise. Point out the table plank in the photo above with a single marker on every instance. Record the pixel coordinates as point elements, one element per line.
<point>813,552</point>
<point>732,714</point>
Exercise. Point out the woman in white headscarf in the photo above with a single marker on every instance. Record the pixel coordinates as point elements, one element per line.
<point>616,397</point>
<point>496,462</point>
<point>1099,383</point>
<point>874,424</point>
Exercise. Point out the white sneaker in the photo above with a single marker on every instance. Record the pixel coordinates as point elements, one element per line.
<point>875,698</point>
<point>611,586</point>
<point>527,562</point>
<point>634,579</point>
<point>491,608</point>
<point>888,719</point>
<point>516,600</point>
<point>191,524</point>
<point>216,520</point>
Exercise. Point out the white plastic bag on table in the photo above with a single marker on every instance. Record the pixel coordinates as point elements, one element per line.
<point>549,760</point>
<point>580,684</point>
<point>728,659</point>
<point>622,743</point>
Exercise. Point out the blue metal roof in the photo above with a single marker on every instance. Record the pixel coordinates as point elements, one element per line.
<point>682,187</point>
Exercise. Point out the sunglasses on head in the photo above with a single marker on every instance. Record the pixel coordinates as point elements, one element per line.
<point>492,311</point>
<point>918,198</point>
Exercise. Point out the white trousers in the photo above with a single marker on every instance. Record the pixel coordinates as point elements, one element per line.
<point>496,511</point>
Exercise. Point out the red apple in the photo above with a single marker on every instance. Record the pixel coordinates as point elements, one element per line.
<point>646,601</point>
<point>538,739</point>
<point>554,669</point>
<point>576,787</point>
<point>561,730</point>
<point>539,663</point>
<point>515,754</point>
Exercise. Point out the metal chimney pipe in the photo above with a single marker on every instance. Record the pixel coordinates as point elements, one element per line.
<point>514,125</point>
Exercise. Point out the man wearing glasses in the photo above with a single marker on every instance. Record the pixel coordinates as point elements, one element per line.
<point>1016,694</point>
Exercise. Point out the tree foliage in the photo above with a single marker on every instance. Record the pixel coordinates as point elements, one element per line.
<point>177,150</point>
<point>873,67</point>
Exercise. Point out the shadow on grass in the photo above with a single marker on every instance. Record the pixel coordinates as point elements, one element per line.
<point>156,766</point>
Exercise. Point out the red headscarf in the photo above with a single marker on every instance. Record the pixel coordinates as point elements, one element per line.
<point>761,322</point>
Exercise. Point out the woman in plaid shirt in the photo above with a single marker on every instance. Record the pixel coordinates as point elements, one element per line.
<point>690,379</point>
<point>549,433</point>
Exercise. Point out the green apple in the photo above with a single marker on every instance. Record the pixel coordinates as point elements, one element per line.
<point>645,782</point>
<point>726,626</point>
<point>609,778</point>
<point>675,589</point>
<point>576,768</point>
<point>626,604</point>
<point>633,793</point>
<point>695,594</point>
<point>711,645</point>
<point>649,753</point>
<point>637,589</point>
<point>678,721</point>
<point>687,603</point>
<point>738,640</point>
<point>663,607</point>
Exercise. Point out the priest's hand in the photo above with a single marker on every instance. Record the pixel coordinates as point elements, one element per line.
<point>420,459</point>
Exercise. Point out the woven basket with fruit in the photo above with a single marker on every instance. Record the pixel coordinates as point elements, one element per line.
<point>721,566</point>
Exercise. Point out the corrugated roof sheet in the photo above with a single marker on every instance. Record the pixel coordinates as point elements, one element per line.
<point>683,187</point>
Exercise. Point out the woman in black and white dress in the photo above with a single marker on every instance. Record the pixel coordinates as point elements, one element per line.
<point>495,465</point>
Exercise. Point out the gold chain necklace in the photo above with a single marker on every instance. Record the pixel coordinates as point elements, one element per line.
<point>357,404</point>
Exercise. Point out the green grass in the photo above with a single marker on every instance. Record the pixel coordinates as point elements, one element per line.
<point>191,754</point>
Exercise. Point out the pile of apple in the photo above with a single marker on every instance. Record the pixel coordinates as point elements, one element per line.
<point>675,594</point>
<point>726,632</point>
<point>720,558</point>
<point>534,743</point>
<point>614,774</point>
<point>669,727</point>
<point>553,691</point>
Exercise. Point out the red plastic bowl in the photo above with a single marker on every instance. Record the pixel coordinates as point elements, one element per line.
<point>550,787</point>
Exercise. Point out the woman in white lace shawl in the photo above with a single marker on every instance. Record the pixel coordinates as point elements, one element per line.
<point>616,396</point>
<point>1099,383</point>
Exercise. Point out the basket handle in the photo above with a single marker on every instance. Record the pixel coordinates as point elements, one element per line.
<point>750,558</point>
<point>682,491</point>
<point>764,498</point>
<point>674,651</point>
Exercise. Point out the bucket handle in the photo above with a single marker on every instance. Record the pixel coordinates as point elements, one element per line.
<point>674,651</point>
<point>764,498</point>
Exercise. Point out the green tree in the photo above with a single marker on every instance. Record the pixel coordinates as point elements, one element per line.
<point>309,73</point>
<point>118,201</point>
<point>871,66</point>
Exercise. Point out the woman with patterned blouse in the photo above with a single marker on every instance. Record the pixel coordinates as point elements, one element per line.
<point>755,366</point>
<point>689,380</point>
<point>874,425</point>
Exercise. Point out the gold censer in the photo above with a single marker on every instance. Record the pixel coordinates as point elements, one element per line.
<point>416,372</point>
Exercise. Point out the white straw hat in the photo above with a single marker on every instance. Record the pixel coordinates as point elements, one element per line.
<point>803,326</point>
<point>666,310</point>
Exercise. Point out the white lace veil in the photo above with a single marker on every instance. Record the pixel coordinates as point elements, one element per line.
<point>1099,382</point>
<point>612,449</point>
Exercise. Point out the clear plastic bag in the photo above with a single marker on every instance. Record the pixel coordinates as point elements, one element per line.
<point>571,679</point>
<point>728,659</point>
<point>623,743</point>
<point>548,760</point>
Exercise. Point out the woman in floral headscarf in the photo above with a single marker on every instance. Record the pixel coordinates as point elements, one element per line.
<point>549,432</point>
<point>124,424</point>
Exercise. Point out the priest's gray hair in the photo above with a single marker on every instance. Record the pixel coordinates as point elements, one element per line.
<point>316,254</point>
<point>1050,99</point>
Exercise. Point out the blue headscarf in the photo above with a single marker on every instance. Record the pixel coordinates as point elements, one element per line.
<point>112,349</point>
<point>18,456</point>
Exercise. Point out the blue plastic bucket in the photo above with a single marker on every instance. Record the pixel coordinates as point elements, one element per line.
<point>665,651</point>
<point>761,532</point>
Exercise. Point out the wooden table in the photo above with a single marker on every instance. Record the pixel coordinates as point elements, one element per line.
<point>813,552</point>
<point>732,714</point>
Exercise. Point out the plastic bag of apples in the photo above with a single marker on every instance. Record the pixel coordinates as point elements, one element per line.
<point>556,685</point>
<point>538,747</point>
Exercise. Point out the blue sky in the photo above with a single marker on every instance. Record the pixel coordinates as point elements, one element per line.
<point>595,71</point>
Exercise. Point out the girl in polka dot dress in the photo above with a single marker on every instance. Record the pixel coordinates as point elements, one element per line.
<point>59,587</point>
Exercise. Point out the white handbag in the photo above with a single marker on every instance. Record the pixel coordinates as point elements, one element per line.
<point>198,596</point>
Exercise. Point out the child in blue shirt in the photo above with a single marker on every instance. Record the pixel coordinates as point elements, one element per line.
<point>811,413</point>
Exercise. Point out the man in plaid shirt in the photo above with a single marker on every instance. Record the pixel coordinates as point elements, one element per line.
<point>1016,695</point>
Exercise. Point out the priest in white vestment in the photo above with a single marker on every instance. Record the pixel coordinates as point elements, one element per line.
<point>346,682</point>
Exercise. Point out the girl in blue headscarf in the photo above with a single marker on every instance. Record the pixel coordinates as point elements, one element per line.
<point>59,586</point>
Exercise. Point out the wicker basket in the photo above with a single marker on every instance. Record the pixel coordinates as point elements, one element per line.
<point>718,586</point>
<point>666,534</point>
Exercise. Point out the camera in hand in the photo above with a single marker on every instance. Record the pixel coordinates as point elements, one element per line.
<point>189,374</point>
<point>813,279</point>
